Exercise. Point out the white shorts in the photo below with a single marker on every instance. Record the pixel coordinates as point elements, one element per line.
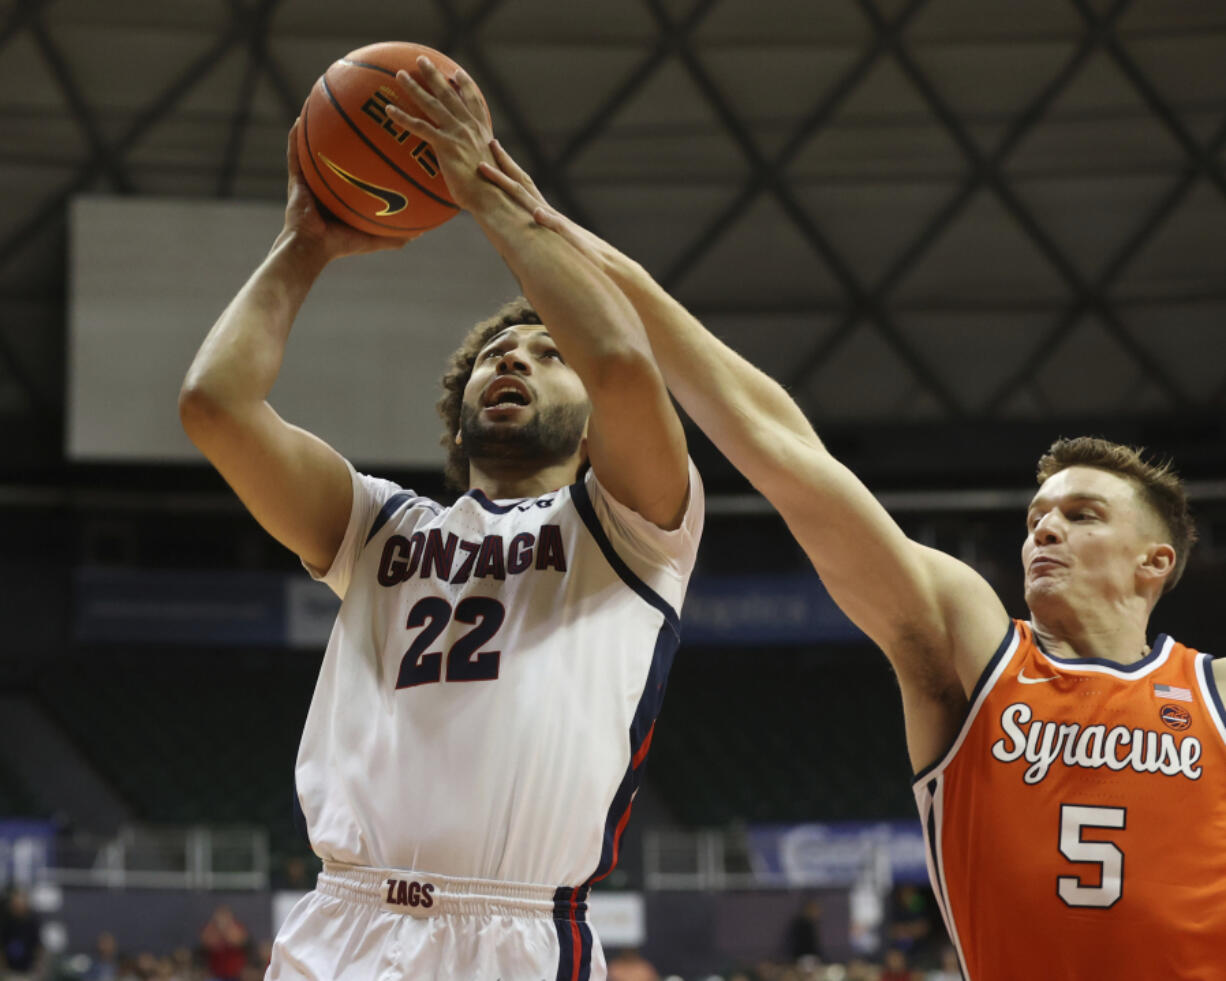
<point>363,924</point>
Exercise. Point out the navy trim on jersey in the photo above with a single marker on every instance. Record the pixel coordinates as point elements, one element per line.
<point>984,675</point>
<point>1155,652</point>
<point>1206,667</point>
<point>930,821</point>
<point>385,513</point>
<point>583,504</point>
<point>570,920</point>
<point>478,495</point>
<point>641,729</point>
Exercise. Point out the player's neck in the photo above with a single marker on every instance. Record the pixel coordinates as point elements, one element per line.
<point>1075,634</point>
<point>502,481</point>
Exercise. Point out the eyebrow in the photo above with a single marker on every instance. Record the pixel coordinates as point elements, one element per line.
<point>1072,498</point>
<point>502,335</point>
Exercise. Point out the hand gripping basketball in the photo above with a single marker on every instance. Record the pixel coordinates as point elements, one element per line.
<point>454,122</point>
<point>362,164</point>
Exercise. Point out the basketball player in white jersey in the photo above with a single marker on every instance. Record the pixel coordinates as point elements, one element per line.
<point>1071,776</point>
<point>489,692</point>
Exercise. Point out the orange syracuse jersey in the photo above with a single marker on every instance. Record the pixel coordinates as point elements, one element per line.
<point>1076,829</point>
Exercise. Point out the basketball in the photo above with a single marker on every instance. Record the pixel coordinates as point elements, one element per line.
<point>364,168</point>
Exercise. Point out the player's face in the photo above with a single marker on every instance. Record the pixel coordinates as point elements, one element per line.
<point>523,401</point>
<point>1087,534</point>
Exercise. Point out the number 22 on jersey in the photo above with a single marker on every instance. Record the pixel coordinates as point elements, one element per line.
<point>465,660</point>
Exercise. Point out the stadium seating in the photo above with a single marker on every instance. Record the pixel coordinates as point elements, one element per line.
<point>781,735</point>
<point>191,737</point>
<point>16,800</point>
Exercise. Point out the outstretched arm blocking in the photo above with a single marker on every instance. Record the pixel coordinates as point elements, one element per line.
<point>935,618</point>
<point>636,444</point>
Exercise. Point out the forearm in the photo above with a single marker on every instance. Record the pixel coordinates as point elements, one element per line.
<point>745,412</point>
<point>594,325</point>
<point>241,356</point>
<point>635,442</point>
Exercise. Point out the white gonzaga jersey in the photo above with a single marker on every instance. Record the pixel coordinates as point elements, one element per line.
<point>490,687</point>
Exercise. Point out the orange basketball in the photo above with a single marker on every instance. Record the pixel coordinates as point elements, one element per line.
<point>365,169</point>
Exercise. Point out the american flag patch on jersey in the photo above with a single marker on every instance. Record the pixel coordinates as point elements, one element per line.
<point>1170,691</point>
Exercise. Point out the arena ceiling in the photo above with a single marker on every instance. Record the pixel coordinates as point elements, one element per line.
<point>924,216</point>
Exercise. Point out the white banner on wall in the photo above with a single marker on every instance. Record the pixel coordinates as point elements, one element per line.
<point>620,918</point>
<point>149,276</point>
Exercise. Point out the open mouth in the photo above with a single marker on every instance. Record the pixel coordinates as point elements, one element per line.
<point>506,392</point>
<point>510,397</point>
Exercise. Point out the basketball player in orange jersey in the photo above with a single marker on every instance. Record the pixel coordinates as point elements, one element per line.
<point>1070,770</point>
<point>489,692</point>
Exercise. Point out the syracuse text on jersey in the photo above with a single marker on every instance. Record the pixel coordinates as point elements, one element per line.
<point>1043,743</point>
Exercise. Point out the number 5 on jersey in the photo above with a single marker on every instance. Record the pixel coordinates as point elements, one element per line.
<point>465,661</point>
<point>1074,818</point>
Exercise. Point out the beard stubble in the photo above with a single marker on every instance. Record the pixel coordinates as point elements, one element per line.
<point>550,436</point>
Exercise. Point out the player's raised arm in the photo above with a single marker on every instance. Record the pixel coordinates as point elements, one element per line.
<point>635,442</point>
<point>931,614</point>
<point>294,484</point>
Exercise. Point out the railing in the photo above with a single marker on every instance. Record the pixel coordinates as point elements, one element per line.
<point>706,860</point>
<point>154,858</point>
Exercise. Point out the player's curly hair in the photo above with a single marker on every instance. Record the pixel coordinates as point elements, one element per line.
<point>1160,486</point>
<point>455,378</point>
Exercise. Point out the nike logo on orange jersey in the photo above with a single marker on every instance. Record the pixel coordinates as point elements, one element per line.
<point>1021,676</point>
<point>393,201</point>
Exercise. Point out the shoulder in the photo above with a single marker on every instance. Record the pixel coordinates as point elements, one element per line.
<point>1216,667</point>
<point>608,517</point>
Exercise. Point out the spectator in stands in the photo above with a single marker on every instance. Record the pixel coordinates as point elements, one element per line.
<point>185,965</point>
<point>630,965</point>
<point>911,927</point>
<point>127,968</point>
<point>805,932</point>
<point>263,955</point>
<point>104,965</point>
<point>896,968</point>
<point>20,944</point>
<point>225,941</point>
<point>147,966</point>
<point>296,875</point>
<point>949,970</point>
<point>858,969</point>
<point>767,971</point>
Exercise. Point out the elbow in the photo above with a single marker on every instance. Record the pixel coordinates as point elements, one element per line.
<point>200,411</point>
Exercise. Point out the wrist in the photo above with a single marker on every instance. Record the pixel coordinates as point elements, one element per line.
<point>303,253</point>
<point>630,276</point>
<point>501,218</point>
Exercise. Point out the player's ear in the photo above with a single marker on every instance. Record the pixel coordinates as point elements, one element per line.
<point>1158,562</point>
<point>459,439</point>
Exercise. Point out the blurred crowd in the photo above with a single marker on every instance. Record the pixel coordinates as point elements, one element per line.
<point>224,951</point>
<point>912,947</point>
